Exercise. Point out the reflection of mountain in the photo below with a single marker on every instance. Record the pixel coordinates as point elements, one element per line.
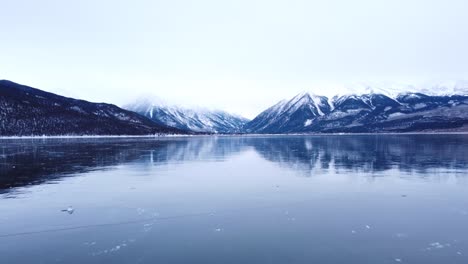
<point>368,153</point>
<point>27,162</point>
<point>197,148</point>
<point>30,162</point>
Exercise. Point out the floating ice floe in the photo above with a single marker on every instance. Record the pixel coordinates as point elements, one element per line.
<point>218,229</point>
<point>69,210</point>
<point>437,245</point>
<point>115,248</point>
<point>118,247</point>
<point>368,227</point>
<point>398,260</point>
<point>148,227</point>
<point>353,232</point>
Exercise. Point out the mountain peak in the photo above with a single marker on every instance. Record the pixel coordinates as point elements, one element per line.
<point>301,109</point>
<point>301,98</point>
<point>302,94</point>
<point>306,96</point>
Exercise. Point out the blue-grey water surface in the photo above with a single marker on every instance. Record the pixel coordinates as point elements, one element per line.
<point>246,199</point>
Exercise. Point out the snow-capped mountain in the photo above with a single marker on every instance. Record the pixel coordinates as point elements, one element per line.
<point>393,89</point>
<point>286,115</point>
<point>372,112</point>
<point>195,119</point>
<point>26,111</point>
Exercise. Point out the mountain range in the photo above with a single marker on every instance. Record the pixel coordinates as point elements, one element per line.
<point>26,111</point>
<point>367,113</point>
<point>191,119</point>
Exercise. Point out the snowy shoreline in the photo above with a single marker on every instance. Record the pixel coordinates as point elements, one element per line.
<point>95,136</point>
<point>230,135</point>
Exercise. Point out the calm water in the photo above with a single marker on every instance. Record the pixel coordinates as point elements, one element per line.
<point>292,199</point>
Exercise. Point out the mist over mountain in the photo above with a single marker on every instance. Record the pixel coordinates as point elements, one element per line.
<point>26,111</point>
<point>393,89</point>
<point>194,119</point>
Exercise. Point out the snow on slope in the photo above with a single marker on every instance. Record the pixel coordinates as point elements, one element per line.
<point>194,119</point>
<point>301,107</point>
<point>392,89</point>
<point>371,112</point>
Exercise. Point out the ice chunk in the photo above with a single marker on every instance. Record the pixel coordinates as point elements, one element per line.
<point>437,245</point>
<point>141,211</point>
<point>69,210</point>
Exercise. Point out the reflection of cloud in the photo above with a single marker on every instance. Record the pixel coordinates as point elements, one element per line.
<point>26,162</point>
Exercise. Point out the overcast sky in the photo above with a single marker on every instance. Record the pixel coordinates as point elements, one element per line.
<point>241,56</point>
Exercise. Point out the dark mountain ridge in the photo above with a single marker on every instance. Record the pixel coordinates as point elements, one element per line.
<point>27,111</point>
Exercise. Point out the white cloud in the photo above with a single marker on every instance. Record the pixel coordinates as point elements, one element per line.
<point>241,56</point>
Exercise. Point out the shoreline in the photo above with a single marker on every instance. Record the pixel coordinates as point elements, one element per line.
<point>95,136</point>
<point>230,135</point>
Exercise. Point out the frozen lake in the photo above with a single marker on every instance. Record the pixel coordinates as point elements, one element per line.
<point>273,199</point>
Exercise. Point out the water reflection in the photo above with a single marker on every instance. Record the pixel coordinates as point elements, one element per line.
<point>365,199</point>
<point>367,153</point>
<point>28,162</point>
<point>31,162</point>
